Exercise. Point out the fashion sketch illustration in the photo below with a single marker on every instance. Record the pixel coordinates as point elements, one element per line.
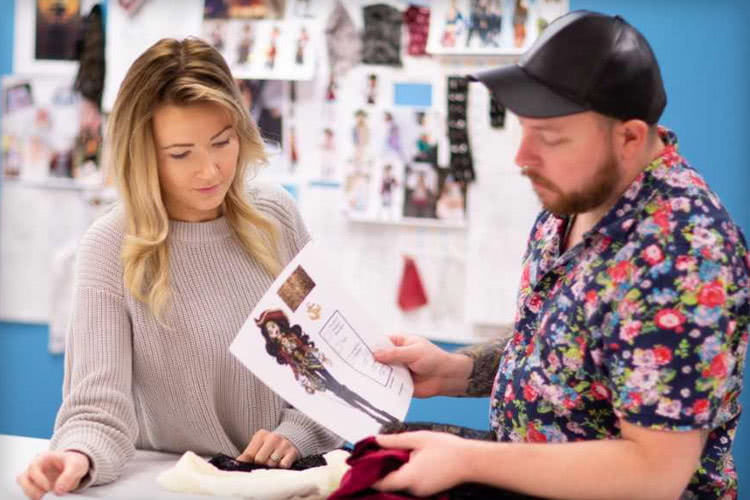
<point>290,346</point>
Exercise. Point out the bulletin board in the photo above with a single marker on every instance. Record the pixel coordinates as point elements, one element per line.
<point>469,265</point>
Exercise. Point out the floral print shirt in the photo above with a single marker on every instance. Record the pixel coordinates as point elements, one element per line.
<point>645,320</point>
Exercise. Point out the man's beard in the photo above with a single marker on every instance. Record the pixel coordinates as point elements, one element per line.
<point>596,192</point>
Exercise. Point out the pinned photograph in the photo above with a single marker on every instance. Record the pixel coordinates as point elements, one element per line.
<point>489,26</point>
<point>58,23</point>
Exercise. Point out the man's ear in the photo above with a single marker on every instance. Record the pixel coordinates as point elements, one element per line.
<point>632,139</point>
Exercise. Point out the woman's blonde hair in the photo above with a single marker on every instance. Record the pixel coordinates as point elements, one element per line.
<point>180,73</point>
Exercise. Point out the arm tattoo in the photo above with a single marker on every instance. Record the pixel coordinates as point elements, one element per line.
<point>486,358</point>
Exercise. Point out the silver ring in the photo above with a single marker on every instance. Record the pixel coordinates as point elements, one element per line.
<point>275,457</point>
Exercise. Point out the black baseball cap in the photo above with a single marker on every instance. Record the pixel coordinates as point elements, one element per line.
<point>582,61</point>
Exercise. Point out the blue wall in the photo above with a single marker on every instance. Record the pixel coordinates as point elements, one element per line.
<point>704,50</point>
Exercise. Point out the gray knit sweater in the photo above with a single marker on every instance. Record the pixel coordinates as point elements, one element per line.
<point>130,383</point>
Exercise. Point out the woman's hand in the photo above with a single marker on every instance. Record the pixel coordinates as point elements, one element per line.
<point>56,471</point>
<point>270,449</point>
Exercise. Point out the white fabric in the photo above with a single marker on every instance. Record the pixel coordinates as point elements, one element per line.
<point>194,475</point>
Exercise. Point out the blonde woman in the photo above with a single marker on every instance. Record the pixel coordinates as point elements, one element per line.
<point>165,280</point>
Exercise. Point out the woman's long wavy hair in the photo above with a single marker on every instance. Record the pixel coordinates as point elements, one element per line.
<point>179,73</point>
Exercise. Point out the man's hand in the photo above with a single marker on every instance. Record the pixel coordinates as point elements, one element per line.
<point>58,471</point>
<point>438,461</point>
<point>270,449</point>
<point>435,371</point>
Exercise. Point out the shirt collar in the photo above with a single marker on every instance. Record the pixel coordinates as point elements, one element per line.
<point>617,222</point>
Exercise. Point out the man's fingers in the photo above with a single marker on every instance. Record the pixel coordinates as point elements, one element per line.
<point>398,340</point>
<point>404,440</point>
<point>405,355</point>
<point>395,481</point>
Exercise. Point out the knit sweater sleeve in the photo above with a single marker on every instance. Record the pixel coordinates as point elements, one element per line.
<point>97,416</point>
<point>307,435</point>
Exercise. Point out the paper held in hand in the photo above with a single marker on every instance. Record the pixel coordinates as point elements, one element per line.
<point>311,343</point>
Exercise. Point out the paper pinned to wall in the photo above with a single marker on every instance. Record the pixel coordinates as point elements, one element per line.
<point>129,36</point>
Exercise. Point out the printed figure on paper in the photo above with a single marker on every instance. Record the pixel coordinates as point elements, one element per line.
<point>272,49</point>
<point>420,191</point>
<point>451,201</point>
<point>328,155</point>
<point>454,22</point>
<point>302,40</point>
<point>290,346</point>
<point>392,144</point>
<point>371,89</point>
<point>520,16</point>
<point>245,47</point>
<point>361,141</point>
<point>485,21</point>
<point>216,34</point>
<point>388,185</point>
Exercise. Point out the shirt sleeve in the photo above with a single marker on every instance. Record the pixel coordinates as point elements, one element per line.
<point>309,437</point>
<point>676,334</point>
<point>97,415</point>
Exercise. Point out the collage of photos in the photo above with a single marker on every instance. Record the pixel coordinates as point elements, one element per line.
<point>394,162</point>
<point>489,26</point>
<point>264,39</point>
<point>38,142</point>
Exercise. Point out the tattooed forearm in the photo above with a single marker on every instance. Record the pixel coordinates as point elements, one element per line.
<point>486,358</point>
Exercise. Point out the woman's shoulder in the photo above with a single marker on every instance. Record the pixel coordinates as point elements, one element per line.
<point>107,230</point>
<point>100,250</point>
<point>273,200</point>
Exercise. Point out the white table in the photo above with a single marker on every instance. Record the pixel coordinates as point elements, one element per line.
<point>138,479</point>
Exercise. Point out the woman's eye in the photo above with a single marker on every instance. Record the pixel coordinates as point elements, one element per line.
<point>179,156</point>
<point>221,144</point>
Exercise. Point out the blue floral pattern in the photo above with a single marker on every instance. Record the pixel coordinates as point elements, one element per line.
<point>645,320</point>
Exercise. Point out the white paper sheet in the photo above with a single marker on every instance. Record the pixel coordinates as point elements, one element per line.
<point>324,364</point>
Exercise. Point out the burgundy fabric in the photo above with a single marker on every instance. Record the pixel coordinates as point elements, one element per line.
<point>417,20</point>
<point>369,463</point>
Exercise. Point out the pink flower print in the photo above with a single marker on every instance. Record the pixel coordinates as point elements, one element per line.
<point>662,355</point>
<point>653,254</point>
<point>670,319</point>
<point>691,282</point>
<point>630,330</point>
<point>697,180</point>
<point>711,294</point>
<point>701,409</point>
<point>644,358</point>
<point>680,203</point>
<point>669,156</point>
<point>620,271</point>
<point>669,407</point>
<point>600,391</point>
<point>642,379</point>
<point>535,303</point>
<point>702,237</point>
<point>685,263</point>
